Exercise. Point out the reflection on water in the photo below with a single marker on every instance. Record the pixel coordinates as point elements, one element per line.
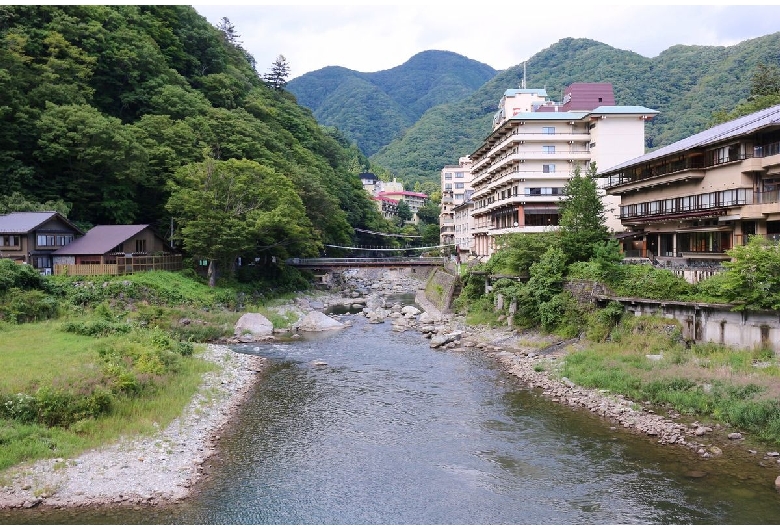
<point>390,431</point>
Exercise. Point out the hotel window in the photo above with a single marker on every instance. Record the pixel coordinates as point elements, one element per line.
<point>548,130</point>
<point>448,186</point>
<point>459,185</point>
<point>548,149</point>
<point>548,168</point>
<point>448,176</point>
<point>458,196</point>
<point>459,174</point>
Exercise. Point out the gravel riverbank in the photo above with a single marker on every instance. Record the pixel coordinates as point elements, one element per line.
<point>153,470</point>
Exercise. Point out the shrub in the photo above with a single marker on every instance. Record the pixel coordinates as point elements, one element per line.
<point>19,306</point>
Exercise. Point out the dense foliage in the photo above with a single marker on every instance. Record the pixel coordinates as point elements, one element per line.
<point>374,108</point>
<point>687,84</point>
<point>104,105</point>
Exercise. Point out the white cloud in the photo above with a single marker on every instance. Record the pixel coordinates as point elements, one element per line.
<point>371,38</point>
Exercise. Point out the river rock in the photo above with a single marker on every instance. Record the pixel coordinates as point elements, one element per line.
<point>316,321</point>
<point>735,436</point>
<point>410,311</point>
<point>252,327</point>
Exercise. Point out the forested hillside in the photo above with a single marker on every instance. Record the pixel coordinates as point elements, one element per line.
<point>110,108</point>
<point>374,108</point>
<point>687,84</point>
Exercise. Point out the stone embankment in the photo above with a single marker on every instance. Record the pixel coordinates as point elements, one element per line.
<point>151,470</point>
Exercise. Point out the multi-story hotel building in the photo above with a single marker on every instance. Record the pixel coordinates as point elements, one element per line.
<point>455,190</point>
<point>686,204</point>
<point>522,167</point>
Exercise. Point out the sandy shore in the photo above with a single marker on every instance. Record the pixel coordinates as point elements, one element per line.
<point>152,470</point>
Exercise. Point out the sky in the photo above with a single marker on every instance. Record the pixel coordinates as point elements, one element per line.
<point>370,38</point>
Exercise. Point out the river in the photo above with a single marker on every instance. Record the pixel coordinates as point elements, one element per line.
<point>371,426</point>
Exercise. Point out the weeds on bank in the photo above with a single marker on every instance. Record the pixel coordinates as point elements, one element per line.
<point>646,360</point>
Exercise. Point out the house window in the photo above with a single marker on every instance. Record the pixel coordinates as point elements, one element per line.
<point>46,241</point>
<point>548,149</point>
<point>548,130</point>
<point>140,245</point>
<point>42,262</point>
<point>64,240</point>
<point>9,241</point>
<point>548,168</point>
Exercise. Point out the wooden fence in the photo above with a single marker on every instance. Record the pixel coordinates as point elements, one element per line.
<point>123,265</point>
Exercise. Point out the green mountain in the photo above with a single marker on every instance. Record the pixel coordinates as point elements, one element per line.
<point>372,109</point>
<point>687,84</point>
<point>104,106</point>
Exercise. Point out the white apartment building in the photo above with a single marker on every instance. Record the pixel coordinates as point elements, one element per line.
<point>522,167</point>
<point>456,189</point>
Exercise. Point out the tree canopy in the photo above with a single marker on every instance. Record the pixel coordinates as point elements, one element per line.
<point>582,218</point>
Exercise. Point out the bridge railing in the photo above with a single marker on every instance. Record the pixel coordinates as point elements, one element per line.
<point>364,261</point>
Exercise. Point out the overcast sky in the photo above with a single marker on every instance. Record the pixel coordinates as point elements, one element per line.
<point>371,38</point>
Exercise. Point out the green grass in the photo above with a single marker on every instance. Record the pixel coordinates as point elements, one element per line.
<point>39,354</point>
<point>707,380</point>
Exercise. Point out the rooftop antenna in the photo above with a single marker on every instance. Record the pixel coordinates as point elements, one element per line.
<point>523,87</point>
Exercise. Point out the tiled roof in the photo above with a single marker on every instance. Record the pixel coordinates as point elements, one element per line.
<point>739,127</point>
<point>100,239</point>
<point>23,222</point>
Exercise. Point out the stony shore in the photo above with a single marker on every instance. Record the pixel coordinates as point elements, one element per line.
<point>152,470</point>
<point>163,468</point>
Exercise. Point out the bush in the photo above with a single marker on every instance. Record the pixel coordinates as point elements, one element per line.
<point>19,306</point>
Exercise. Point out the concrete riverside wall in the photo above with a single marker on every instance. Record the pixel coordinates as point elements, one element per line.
<point>440,289</point>
<point>715,323</point>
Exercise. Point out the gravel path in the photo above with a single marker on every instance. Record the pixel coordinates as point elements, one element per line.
<point>152,470</point>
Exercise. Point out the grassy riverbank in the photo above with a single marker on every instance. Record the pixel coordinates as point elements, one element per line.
<point>646,360</point>
<point>86,361</point>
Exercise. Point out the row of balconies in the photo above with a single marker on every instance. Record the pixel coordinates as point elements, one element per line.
<point>518,198</point>
<point>690,204</point>
<point>580,155</point>
<point>518,176</point>
<point>536,138</point>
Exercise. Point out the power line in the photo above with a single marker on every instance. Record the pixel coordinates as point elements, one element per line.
<point>389,249</point>
<point>383,234</point>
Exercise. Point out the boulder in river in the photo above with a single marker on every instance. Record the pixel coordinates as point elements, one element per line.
<point>317,321</point>
<point>252,327</point>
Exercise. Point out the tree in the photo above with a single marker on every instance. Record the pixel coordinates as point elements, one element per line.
<point>227,209</point>
<point>582,217</point>
<point>404,213</point>
<point>229,31</point>
<point>276,78</point>
<point>752,277</point>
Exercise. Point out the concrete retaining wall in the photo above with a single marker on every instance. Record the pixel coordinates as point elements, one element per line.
<point>440,289</point>
<point>715,322</point>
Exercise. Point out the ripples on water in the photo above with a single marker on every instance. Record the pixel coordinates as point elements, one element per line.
<point>391,431</point>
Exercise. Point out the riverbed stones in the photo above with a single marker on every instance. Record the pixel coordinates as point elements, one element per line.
<point>252,327</point>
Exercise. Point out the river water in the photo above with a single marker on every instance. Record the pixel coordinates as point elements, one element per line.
<point>390,431</point>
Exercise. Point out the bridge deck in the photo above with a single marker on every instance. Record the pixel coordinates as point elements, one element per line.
<point>315,263</point>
